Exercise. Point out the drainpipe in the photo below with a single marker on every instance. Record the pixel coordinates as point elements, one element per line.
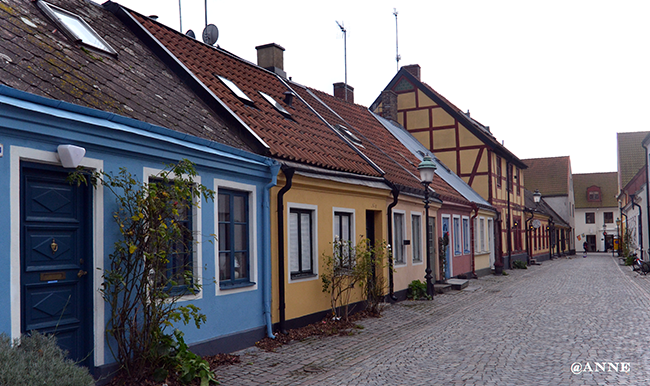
<point>640,222</point>
<point>391,283</point>
<point>509,224</point>
<point>266,253</point>
<point>647,192</point>
<point>473,243</point>
<point>288,173</point>
<point>528,246</point>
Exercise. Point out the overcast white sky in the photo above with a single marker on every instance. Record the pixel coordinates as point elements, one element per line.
<point>552,78</point>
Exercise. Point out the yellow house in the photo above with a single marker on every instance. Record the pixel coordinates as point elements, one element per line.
<point>467,147</point>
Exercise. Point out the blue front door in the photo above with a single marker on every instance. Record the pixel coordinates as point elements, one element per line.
<point>55,259</point>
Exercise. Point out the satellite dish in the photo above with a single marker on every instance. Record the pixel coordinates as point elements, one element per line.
<point>190,33</point>
<point>210,34</point>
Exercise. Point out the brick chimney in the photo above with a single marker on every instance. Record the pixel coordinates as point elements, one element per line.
<point>271,57</point>
<point>413,69</point>
<point>389,105</point>
<point>339,92</point>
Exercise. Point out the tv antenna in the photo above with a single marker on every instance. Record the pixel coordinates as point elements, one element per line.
<point>345,56</point>
<point>397,57</point>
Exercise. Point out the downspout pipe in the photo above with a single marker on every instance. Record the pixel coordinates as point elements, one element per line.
<point>288,174</point>
<point>266,253</point>
<point>647,191</point>
<point>632,196</point>
<point>529,250</point>
<point>391,282</point>
<point>473,243</point>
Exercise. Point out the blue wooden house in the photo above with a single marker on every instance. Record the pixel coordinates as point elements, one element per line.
<point>92,95</point>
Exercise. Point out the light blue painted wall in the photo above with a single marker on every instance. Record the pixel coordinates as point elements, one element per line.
<point>39,123</point>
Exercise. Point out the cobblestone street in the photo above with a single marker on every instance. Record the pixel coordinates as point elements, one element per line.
<point>527,328</point>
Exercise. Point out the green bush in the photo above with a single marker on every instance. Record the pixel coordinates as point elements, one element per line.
<point>418,290</point>
<point>37,360</point>
<point>518,264</point>
<point>629,260</point>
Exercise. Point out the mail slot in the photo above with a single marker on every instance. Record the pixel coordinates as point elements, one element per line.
<point>49,276</point>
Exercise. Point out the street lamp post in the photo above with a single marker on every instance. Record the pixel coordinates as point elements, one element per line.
<point>427,169</point>
<point>537,196</point>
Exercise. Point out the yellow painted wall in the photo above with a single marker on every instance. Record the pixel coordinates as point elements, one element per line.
<point>448,158</point>
<point>480,185</point>
<point>444,139</point>
<point>466,138</point>
<point>304,297</point>
<point>406,101</point>
<point>424,100</point>
<point>418,119</point>
<point>422,137</point>
<point>441,118</point>
<point>467,160</point>
<point>405,273</point>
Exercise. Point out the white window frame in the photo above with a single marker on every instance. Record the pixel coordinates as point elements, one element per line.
<point>252,232</point>
<point>467,242</point>
<point>353,233</point>
<point>76,27</point>
<point>197,255</point>
<point>403,237</point>
<point>315,251</point>
<point>420,238</point>
<point>457,238</point>
<point>482,238</point>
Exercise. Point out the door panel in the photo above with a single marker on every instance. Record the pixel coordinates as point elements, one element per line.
<point>55,257</point>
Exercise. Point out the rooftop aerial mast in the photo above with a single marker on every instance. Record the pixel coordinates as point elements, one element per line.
<point>345,56</point>
<point>397,57</point>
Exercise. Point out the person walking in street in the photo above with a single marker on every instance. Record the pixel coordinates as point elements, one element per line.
<point>584,246</point>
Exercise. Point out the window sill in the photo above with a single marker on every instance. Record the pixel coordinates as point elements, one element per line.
<point>300,276</point>
<point>229,286</point>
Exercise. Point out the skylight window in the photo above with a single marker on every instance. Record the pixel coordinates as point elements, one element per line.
<point>348,134</point>
<point>235,90</point>
<point>75,27</point>
<point>275,104</point>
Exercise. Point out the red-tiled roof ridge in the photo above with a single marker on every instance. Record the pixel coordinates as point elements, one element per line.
<point>359,118</point>
<point>303,138</point>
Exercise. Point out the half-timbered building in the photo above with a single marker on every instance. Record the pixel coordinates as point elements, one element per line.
<point>467,147</point>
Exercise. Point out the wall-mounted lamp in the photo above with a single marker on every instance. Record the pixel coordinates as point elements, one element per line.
<point>70,155</point>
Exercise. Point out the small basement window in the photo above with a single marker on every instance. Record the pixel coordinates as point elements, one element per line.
<point>235,90</point>
<point>275,104</point>
<point>348,134</point>
<point>75,27</point>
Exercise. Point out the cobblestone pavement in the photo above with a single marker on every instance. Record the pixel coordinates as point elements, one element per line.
<point>527,328</point>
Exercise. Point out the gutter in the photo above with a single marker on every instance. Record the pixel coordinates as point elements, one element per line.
<point>288,173</point>
<point>473,245</point>
<point>647,192</point>
<point>267,286</point>
<point>391,282</point>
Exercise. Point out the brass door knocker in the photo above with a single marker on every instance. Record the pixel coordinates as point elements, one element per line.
<point>54,246</point>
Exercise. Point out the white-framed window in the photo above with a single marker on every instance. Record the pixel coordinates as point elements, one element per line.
<point>399,235</point>
<point>481,234</point>
<point>344,236</point>
<point>489,234</point>
<point>236,247</point>
<point>75,27</point>
<point>466,236</point>
<point>187,255</point>
<point>303,241</point>
<point>456,236</point>
<point>416,237</point>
